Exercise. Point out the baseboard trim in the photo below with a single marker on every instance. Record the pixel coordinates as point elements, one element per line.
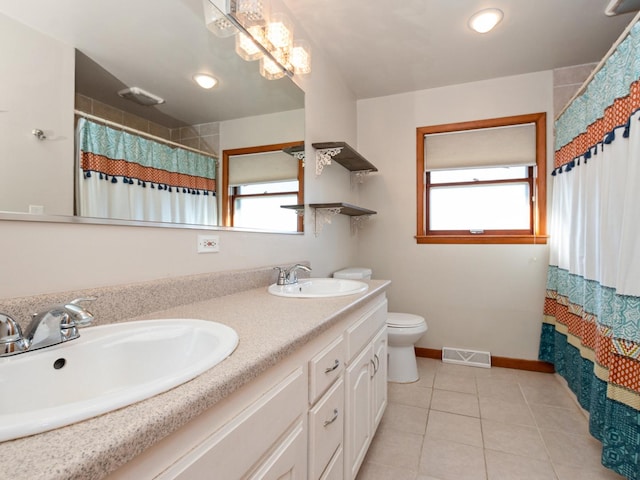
<point>503,362</point>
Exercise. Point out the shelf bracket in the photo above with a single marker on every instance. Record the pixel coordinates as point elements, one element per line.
<point>299,156</point>
<point>358,176</point>
<point>324,156</point>
<point>323,216</point>
<point>358,222</point>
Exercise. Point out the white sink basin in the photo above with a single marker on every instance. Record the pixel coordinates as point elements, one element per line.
<point>319,287</point>
<point>107,368</point>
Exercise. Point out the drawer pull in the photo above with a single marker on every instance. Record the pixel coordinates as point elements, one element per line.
<point>376,363</point>
<point>332,419</point>
<point>332,368</point>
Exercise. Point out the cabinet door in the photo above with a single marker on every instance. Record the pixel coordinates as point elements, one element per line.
<point>380,376</point>
<point>358,404</point>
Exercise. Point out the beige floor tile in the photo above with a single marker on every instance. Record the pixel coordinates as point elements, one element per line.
<point>554,395</point>
<point>373,471</point>
<point>506,412</point>
<point>452,461</point>
<point>573,450</point>
<point>409,394</point>
<point>427,477</point>
<point>427,369</point>
<point>506,374</point>
<point>455,383</point>
<point>536,379</point>
<point>515,439</point>
<point>454,428</point>
<point>460,370</point>
<point>397,449</point>
<point>455,402</point>
<point>567,472</point>
<point>501,389</point>
<point>568,420</point>
<point>405,418</point>
<point>504,466</point>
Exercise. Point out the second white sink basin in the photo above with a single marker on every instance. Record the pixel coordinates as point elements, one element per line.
<point>107,368</point>
<point>319,287</point>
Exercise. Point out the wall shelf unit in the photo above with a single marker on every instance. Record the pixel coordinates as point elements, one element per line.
<point>343,154</point>
<point>324,212</point>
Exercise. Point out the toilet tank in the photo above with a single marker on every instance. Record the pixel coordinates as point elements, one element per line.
<point>354,273</point>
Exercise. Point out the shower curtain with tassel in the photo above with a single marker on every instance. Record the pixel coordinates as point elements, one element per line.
<point>125,176</point>
<point>591,327</point>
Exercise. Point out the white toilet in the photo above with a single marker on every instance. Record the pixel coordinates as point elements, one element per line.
<point>403,331</point>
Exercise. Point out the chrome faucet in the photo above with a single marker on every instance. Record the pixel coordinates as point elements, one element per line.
<point>289,276</point>
<point>52,326</point>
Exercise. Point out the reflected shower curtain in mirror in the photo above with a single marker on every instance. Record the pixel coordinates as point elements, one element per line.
<point>125,176</point>
<point>591,329</point>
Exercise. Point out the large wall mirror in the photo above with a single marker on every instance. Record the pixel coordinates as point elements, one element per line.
<point>67,62</point>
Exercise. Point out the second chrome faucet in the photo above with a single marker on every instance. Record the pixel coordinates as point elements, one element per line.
<point>289,276</point>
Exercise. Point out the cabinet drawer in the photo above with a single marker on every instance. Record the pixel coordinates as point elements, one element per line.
<point>359,334</point>
<point>325,368</point>
<point>236,448</point>
<point>326,424</point>
<point>335,469</point>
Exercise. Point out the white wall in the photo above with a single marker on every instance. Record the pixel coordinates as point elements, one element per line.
<point>52,257</point>
<point>484,297</point>
<point>37,72</point>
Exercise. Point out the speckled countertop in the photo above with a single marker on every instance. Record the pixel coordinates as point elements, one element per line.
<point>270,328</point>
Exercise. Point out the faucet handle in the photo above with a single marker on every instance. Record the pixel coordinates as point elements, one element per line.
<point>11,339</point>
<point>81,316</point>
<point>282,275</point>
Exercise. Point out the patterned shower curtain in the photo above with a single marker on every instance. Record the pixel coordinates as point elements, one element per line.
<point>125,176</point>
<point>591,327</point>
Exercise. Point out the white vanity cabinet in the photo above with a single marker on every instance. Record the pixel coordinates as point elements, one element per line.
<point>326,413</point>
<point>271,431</point>
<point>309,417</point>
<point>366,385</point>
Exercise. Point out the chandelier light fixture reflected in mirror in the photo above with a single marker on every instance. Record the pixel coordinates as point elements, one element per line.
<point>260,35</point>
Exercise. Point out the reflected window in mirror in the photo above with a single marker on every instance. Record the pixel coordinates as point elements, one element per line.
<point>257,182</point>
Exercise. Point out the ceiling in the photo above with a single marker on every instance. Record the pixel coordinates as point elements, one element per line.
<point>384,47</point>
<point>380,47</point>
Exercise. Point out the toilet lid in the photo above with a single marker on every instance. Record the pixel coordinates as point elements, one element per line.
<point>404,320</point>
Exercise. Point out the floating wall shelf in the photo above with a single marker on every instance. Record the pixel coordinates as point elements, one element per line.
<point>296,152</point>
<point>345,155</point>
<point>324,212</point>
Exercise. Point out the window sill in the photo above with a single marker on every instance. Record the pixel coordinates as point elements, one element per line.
<point>483,239</point>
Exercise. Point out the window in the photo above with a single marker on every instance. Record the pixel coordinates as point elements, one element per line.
<point>259,206</point>
<point>482,181</point>
<point>257,182</point>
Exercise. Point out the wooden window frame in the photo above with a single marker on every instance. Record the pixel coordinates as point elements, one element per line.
<point>537,186</point>
<point>227,198</point>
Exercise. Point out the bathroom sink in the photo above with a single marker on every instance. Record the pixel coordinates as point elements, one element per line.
<point>319,287</point>
<point>107,368</point>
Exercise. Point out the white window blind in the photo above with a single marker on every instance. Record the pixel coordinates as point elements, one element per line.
<point>509,146</point>
<point>262,168</point>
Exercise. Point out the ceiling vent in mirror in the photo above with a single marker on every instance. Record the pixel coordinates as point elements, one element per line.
<point>618,7</point>
<point>140,96</point>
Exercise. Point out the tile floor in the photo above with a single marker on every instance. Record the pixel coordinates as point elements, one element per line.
<point>468,423</point>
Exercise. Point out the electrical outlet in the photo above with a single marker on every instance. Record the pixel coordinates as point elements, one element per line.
<point>208,243</point>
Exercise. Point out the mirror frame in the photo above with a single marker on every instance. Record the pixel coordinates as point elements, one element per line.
<point>224,184</point>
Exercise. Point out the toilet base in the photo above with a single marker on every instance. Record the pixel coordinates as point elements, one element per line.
<point>402,367</point>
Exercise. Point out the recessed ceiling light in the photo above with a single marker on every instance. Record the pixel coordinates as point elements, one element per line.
<point>484,20</point>
<point>205,80</point>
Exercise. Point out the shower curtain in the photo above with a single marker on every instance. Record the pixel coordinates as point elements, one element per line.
<point>125,176</point>
<point>591,327</point>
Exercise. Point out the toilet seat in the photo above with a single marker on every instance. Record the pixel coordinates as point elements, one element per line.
<point>404,320</point>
